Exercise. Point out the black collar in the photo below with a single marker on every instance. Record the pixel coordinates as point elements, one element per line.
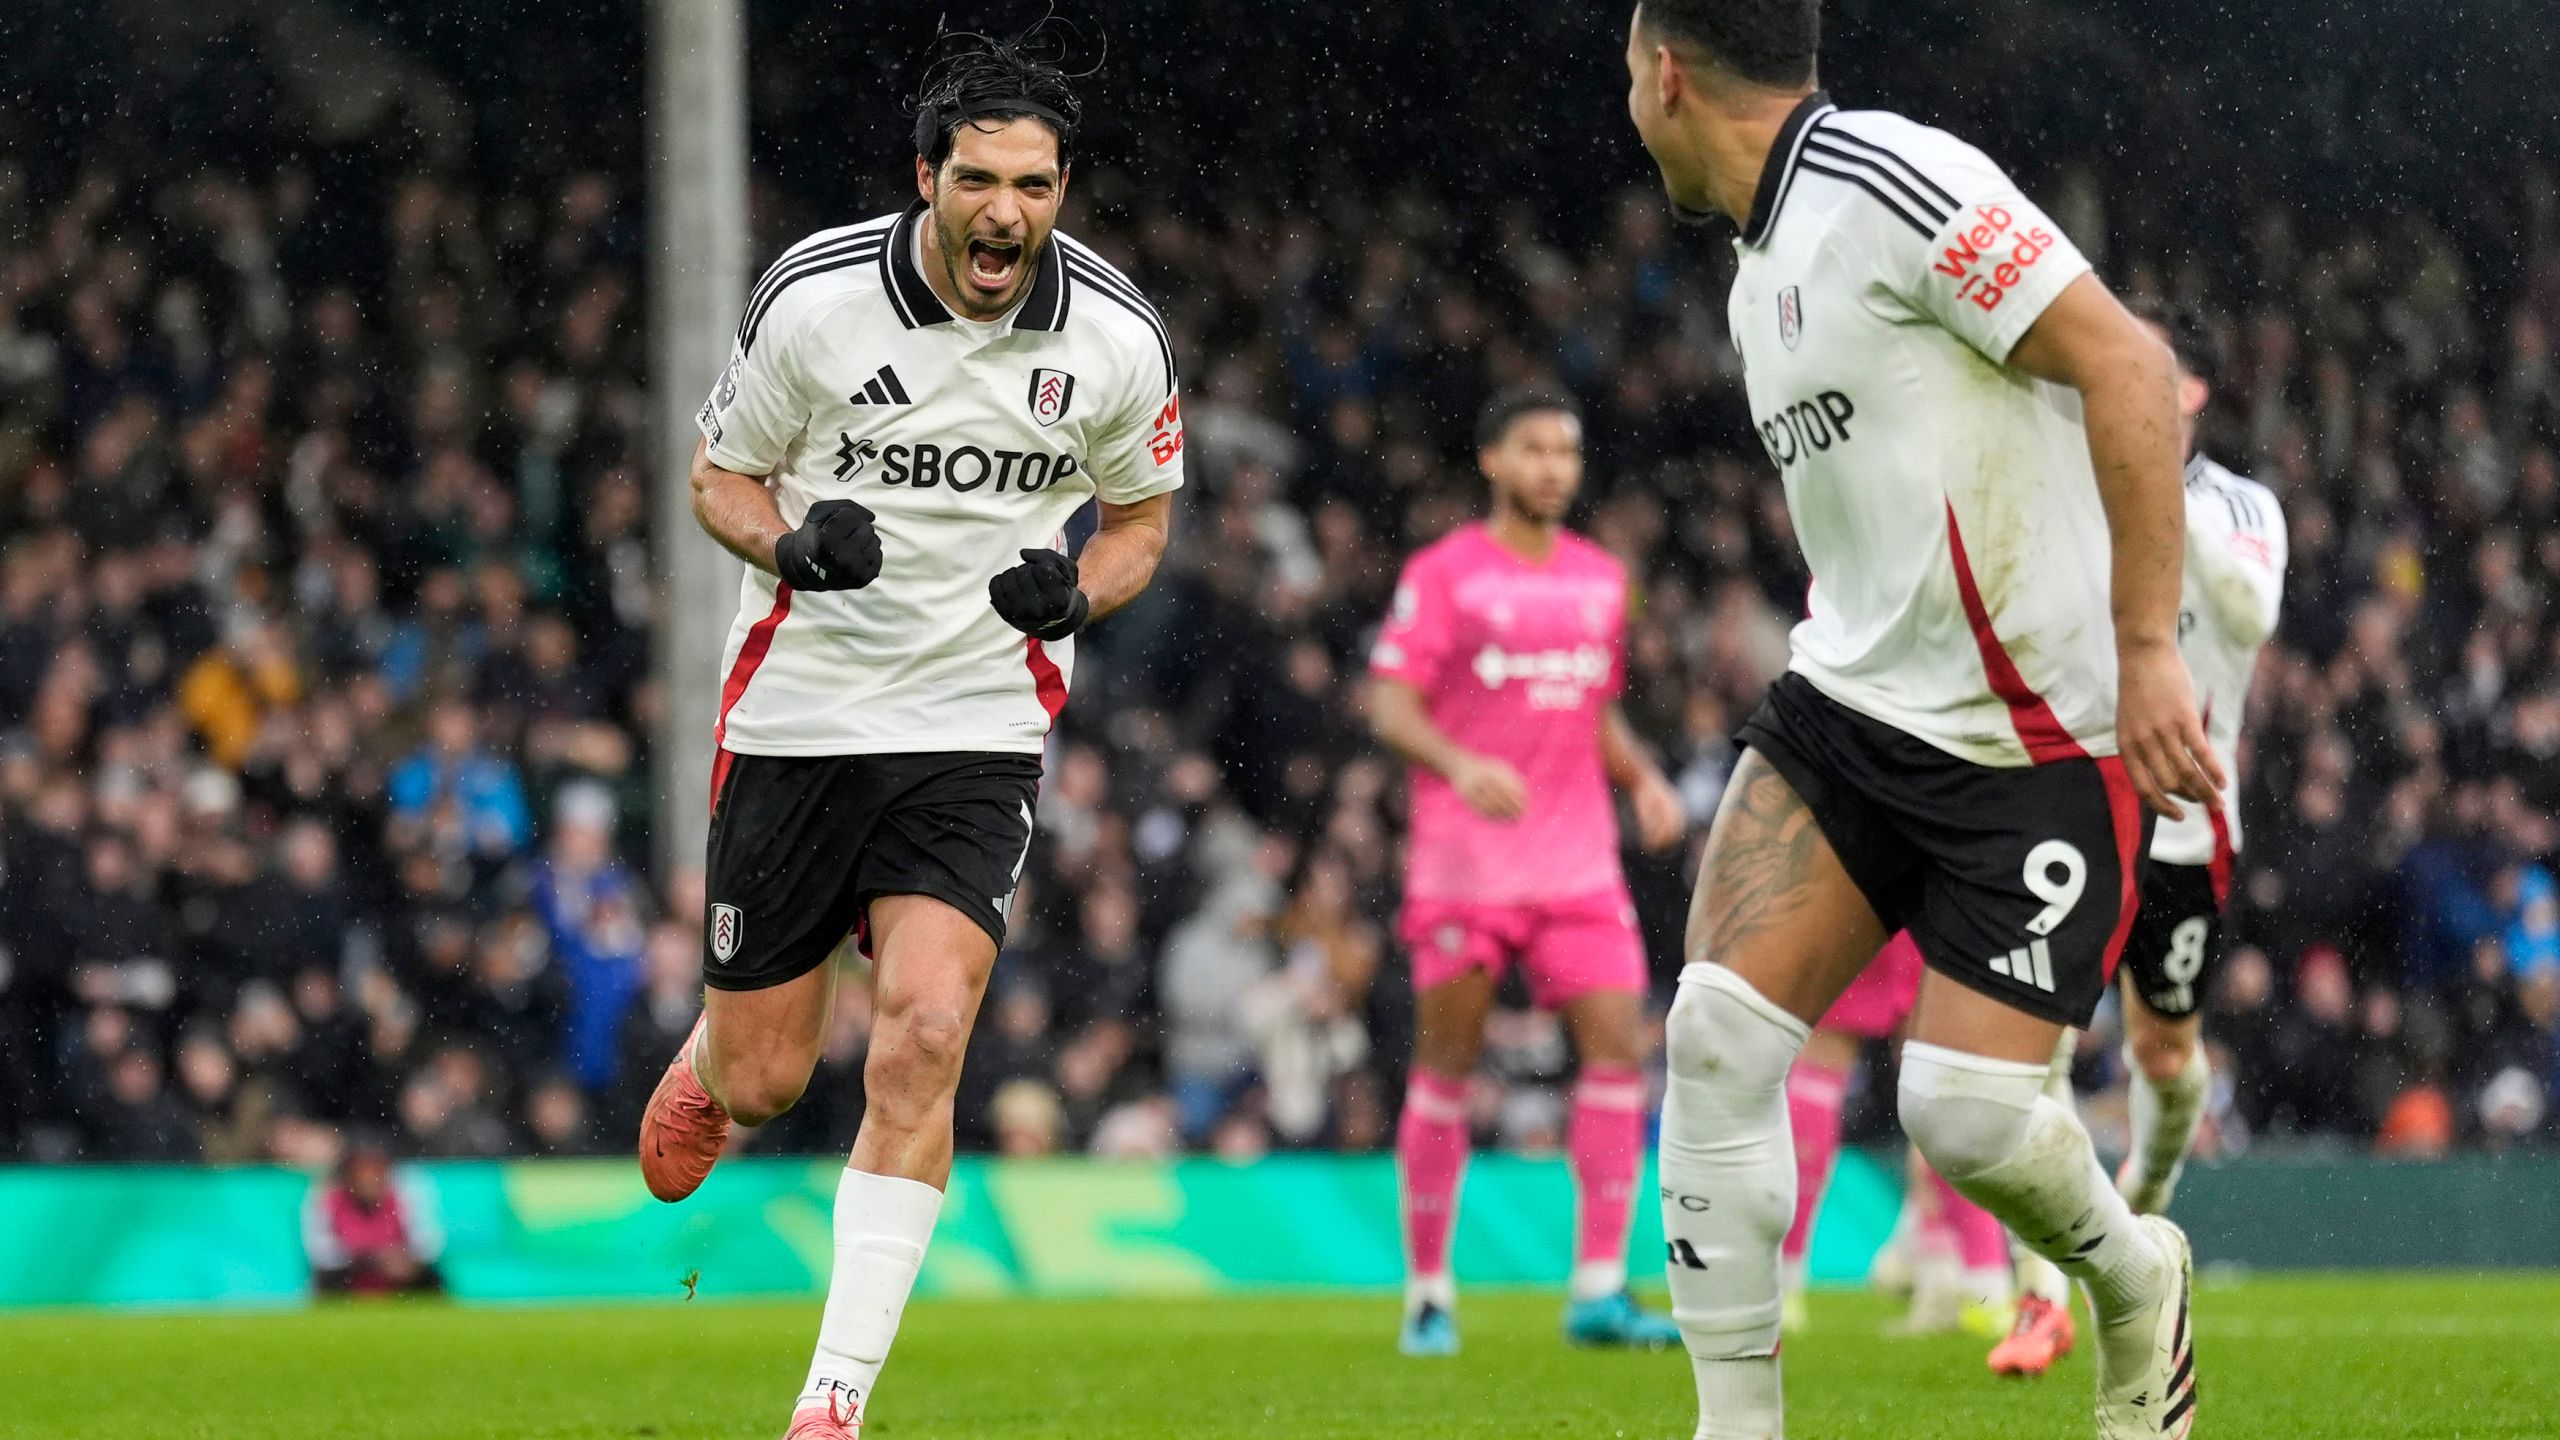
<point>911,295</point>
<point>1778,172</point>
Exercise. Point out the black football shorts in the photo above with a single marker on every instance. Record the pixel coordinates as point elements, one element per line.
<point>2015,882</point>
<point>800,846</point>
<point>2177,940</point>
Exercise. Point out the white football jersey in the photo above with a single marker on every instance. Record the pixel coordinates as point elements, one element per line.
<point>1944,502</point>
<point>971,441</point>
<point>2234,588</point>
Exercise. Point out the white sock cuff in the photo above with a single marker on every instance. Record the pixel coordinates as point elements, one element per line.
<point>1938,1073</point>
<point>885,1207</point>
<point>2057,1083</point>
<point>1717,977</point>
<point>1438,1288</point>
<point>1596,1279</point>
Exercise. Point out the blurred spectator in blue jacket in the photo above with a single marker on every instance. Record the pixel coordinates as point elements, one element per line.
<point>591,903</point>
<point>455,788</point>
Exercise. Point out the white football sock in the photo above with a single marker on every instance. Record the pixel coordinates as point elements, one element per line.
<point>1988,1126</point>
<point>882,1224</point>
<point>2038,1276</point>
<point>2164,1122</point>
<point>1595,1279</point>
<point>1728,1192</point>
<point>1440,1290</point>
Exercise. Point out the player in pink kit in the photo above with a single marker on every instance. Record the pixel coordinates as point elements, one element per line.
<point>1949,1227</point>
<point>1497,679</point>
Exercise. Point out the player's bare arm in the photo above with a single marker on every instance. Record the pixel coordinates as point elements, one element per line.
<point>2128,392</point>
<point>1121,558</point>
<point>1397,717</point>
<point>1050,597</point>
<point>737,510</point>
<point>1659,818</point>
<point>835,546</point>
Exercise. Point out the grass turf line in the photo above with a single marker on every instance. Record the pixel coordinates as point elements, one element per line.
<point>2467,1357</point>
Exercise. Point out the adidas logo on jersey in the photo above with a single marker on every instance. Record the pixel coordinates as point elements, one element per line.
<point>2030,964</point>
<point>884,389</point>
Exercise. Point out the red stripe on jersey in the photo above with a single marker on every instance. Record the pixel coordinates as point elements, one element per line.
<point>2124,807</point>
<point>2219,867</point>
<point>743,669</point>
<point>1045,678</point>
<point>719,776</point>
<point>2037,726</point>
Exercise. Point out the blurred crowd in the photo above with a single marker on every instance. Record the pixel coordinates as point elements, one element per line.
<point>326,710</point>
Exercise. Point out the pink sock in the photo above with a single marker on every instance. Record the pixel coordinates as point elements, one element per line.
<point>1815,1095</point>
<point>1980,1243</point>
<point>1606,1141</point>
<point>1431,1153</point>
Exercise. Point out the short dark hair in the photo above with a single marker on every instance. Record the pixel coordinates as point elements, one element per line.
<point>974,79</point>
<point>1767,42</point>
<point>2189,340</point>
<point>1502,410</point>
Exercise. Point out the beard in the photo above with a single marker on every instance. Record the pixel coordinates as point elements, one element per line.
<point>987,271</point>
<point>1537,511</point>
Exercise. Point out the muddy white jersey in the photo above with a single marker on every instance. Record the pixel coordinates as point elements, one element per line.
<point>2227,609</point>
<point>970,441</point>
<point>1945,502</point>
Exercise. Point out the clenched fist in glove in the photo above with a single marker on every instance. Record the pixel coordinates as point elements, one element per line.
<point>1039,596</point>
<point>835,548</point>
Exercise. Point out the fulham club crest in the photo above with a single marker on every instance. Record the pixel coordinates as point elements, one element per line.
<point>1050,392</point>
<point>1790,316</point>
<point>726,926</point>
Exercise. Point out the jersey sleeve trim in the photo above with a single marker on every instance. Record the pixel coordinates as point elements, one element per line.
<point>1143,491</point>
<point>1896,184</point>
<point>1099,274</point>
<point>1834,135</point>
<point>731,461</point>
<point>1923,229</point>
<point>834,250</point>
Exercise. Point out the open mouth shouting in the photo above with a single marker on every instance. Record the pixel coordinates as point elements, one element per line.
<point>993,265</point>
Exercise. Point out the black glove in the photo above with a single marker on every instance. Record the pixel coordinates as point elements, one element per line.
<point>835,548</point>
<point>1039,596</point>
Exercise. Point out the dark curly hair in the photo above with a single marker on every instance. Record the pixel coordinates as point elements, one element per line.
<point>970,78</point>
<point>2193,344</point>
<point>1496,419</point>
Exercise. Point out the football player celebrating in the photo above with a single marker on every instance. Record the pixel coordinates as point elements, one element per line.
<point>1979,447</point>
<point>914,407</point>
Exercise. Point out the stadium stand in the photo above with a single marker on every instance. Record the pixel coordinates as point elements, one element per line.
<point>325,602</point>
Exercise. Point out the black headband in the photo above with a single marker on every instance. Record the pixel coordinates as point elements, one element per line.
<point>931,120</point>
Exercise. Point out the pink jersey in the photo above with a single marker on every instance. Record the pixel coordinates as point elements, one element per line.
<point>1514,660</point>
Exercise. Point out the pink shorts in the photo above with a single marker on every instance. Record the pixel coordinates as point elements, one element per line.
<point>1876,1003</point>
<point>1566,948</point>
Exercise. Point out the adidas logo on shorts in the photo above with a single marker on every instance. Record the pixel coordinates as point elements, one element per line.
<point>2029,964</point>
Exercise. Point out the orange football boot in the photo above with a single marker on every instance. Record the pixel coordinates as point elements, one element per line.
<point>838,1419</point>
<point>2042,1335</point>
<point>682,1132</point>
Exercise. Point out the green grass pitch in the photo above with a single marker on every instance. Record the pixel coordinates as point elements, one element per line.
<point>2367,1356</point>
